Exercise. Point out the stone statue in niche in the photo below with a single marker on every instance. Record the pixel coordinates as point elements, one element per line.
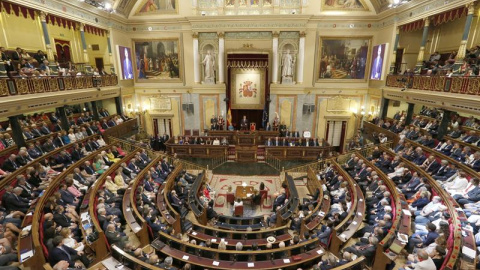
<point>209,68</point>
<point>288,64</point>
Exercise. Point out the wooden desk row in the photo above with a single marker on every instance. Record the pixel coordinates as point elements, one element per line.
<point>344,231</point>
<point>312,220</point>
<point>196,150</point>
<point>32,241</point>
<point>100,246</point>
<point>449,202</point>
<point>291,207</point>
<point>298,152</point>
<point>132,216</point>
<point>288,264</point>
<point>400,221</point>
<point>194,202</point>
<point>163,204</point>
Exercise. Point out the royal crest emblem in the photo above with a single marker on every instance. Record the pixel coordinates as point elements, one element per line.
<point>247,89</point>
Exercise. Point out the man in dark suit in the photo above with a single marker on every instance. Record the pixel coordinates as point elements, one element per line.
<point>60,252</point>
<point>471,137</point>
<point>104,124</point>
<point>14,202</point>
<point>10,164</point>
<point>76,153</point>
<point>67,197</point>
<point>39,147</point>
<point>48,146</point>
<point>244,123</point>
<point>366,250</point>
<point>57,126</point>
<point>111,123</point>
<point>432,165</point>
<point>65,159</point>
<point>44,130</point>
<point>36,132</point>
<point>27,134</point>
<point>114,237</point>
<point>133,166</point>
<point>22,158</point>
<point>471,196</point>
<point>279,200</point>
<point>6,59</point>
<point>58,142</point>
<point>17,55</point>
<point>33,152</point>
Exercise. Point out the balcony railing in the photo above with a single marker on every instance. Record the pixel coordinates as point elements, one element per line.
<point>455,84</point>
<point>33,85</point>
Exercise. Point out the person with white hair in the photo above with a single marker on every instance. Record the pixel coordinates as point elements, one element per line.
<point>222,245</point>
<point>239,246</point>
<point>430,207</point>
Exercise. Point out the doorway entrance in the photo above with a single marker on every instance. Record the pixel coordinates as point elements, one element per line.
<point>99,63</point>
<point>162,125</point>
<point>335,134</point>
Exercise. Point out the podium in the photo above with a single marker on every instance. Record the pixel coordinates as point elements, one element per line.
<point>246,149</point>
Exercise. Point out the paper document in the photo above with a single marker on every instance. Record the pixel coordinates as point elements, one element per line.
<point>26,255</point>
<point>468,252</point>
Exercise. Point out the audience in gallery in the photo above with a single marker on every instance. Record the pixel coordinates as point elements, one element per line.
<point>26,66</point>
<point>445,63</point>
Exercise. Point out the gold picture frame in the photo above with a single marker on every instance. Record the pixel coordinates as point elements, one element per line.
<point>330,58</point>
<point>160,65</point>
<point>247,88</point>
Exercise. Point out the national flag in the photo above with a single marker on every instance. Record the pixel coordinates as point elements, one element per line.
<point>229,117</point>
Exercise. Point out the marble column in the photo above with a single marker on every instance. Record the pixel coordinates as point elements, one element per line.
<point>118,105</point>
<point>275,58</point>
<point>221,58</point>
<point>17,132</point>
<point>463,44</point>
<point>84,43</point>
<point>301,57</point>
<point>394,55</point>
<point>386,101</point>
<point>421,53</point>
<point>95,114</point>
<point>62,115</point>
<point>109,45</point>
<point>196,59</point>
<point>409,117</point>
<point>443,127</point>
<point>46,36</point>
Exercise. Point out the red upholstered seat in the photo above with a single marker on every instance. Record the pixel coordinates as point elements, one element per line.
<point>238,210</point>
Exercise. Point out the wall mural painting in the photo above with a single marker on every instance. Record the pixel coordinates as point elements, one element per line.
<point>344,58</point>
<point>158,6</point>
<point>157,60</point>
<point>343,4</point>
